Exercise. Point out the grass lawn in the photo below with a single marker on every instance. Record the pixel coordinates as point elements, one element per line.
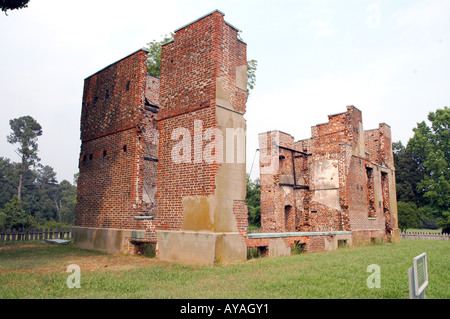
<point>37,270</point>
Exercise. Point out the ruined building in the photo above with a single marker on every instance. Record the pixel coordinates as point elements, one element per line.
<point>336,187</point>
<point>116,197</point>
<point>155,164</point>
<point>162,162</point>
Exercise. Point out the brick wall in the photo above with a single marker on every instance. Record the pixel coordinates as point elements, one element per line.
<point>107,187</point>
<point>112,97</point>
<point>118,134</point>
<point>348,172</point>
<point>289,241</point>
<point>199,74</point>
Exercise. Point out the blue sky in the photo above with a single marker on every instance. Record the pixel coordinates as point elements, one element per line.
<point>390,59</point>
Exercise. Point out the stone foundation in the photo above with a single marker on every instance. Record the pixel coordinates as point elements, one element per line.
<point>279,244</point>
<point>201,248</point>
<point>111,240</point>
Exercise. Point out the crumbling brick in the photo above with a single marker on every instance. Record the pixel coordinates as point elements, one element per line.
<point>341,179</point>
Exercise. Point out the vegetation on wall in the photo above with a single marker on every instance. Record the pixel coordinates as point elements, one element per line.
<point>253,201</point>
<point>154,60</point>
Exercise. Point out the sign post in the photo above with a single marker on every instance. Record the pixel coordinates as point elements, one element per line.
<point>418,277</point>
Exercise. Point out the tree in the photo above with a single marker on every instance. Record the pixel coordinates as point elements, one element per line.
<point>154,55</point>
<point>67,202</point>
<point>422,170</point>
<point>25,131</point>
<point>42,199</point>
<point>75,178</point>
<point>48,194</point>
<point>6,5</point>
<point>409,171</point>
<point>16,216</point>
<point>408,216</point>
<point>445,223</point>
<point>56,201</point>
<point>8,180</point>
<point>154,60</point>
<point>251,74</point>
<point>433,145</point>
<point>253,201</point>
<point>2,220</point>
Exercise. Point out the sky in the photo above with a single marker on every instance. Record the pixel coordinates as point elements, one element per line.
<point>390,59</point>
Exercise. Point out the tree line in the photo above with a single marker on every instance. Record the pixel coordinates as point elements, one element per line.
<point>30,195</point>
<point>423,174</point>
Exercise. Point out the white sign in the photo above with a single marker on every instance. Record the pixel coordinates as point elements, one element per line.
<point>420,273</point>
<point>418,277</point>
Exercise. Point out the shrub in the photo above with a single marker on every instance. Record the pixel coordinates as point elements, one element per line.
<point>2,220</point>
<point>408,216</point>
<point>52,224</point>
<point>16,216</point>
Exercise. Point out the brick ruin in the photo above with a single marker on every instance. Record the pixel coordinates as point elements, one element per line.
<point>117,185</point>
<point>162,162</point>
<point>155,164</point>
<point>336,187</point>
<point>202,215</point>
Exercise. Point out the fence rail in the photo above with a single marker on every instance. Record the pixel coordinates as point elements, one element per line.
<point>34,234</point>
<point>427,236</point>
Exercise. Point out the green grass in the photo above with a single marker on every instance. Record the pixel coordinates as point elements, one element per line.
<point>38,270</point>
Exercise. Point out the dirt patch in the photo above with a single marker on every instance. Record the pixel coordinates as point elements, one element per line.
<point>7,247</point>
<point>110,262</point>
<point>49,262</point>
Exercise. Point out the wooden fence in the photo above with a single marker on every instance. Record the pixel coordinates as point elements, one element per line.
<point>428,236</point>
<point>34,234</point>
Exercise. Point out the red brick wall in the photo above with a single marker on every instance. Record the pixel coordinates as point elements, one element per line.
<point>117,133</point>
<point>372,145</point>
<point>327,137</point>
<point>241,212</point>
<point>102,115</point>
<point>316,244</point>
<point>152,89</point>
<point>341,140</point>
<point>201,53</point>
<point>378,142</point>
<point>108,185</point>
<point>289,241</point>
<point>178,180</point>
<point>387,157</point>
